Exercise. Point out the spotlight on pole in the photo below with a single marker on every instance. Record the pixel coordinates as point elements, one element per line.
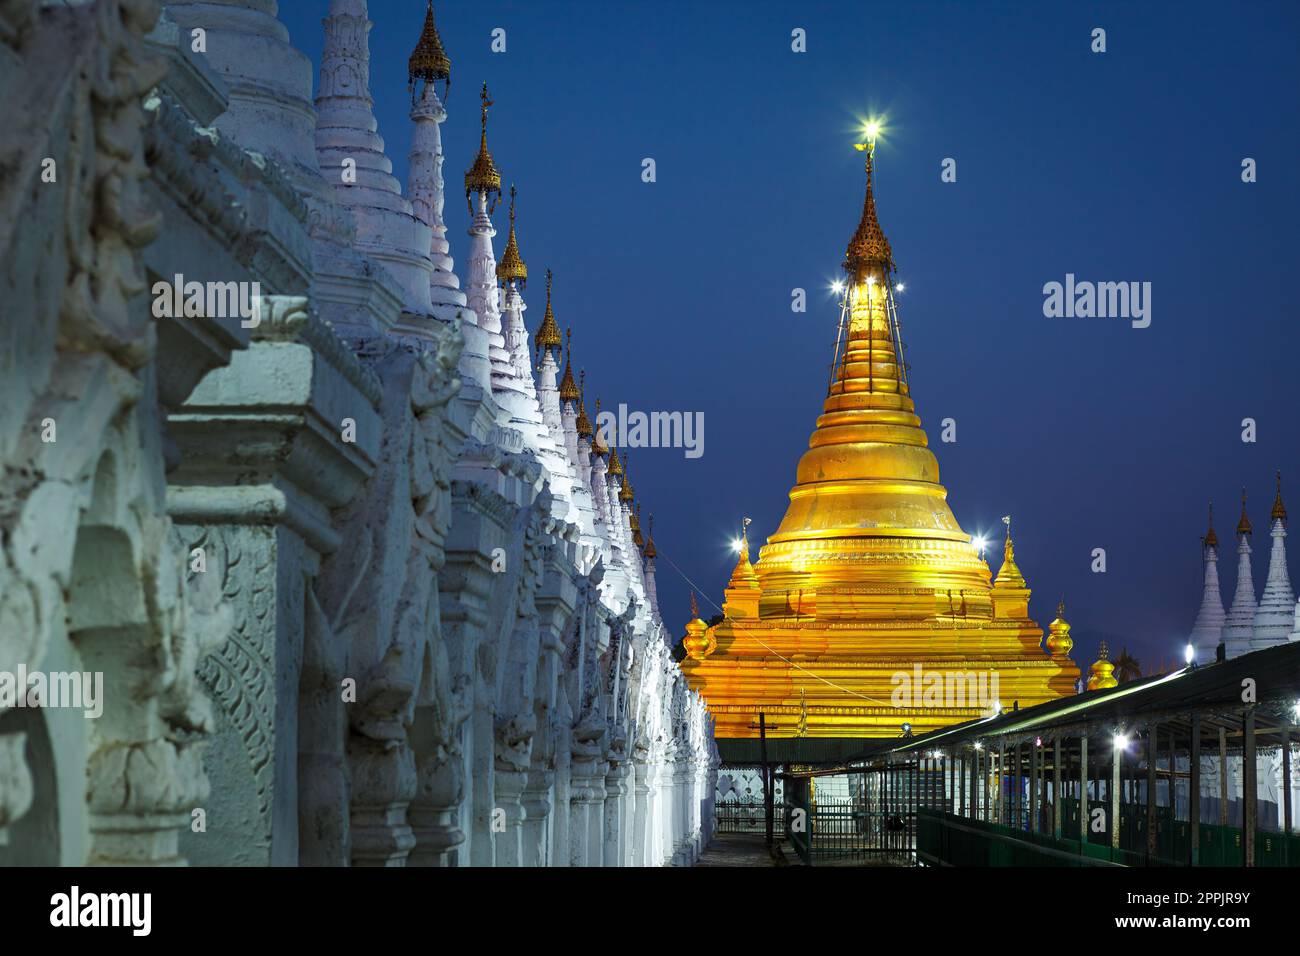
<point>1189,655</point>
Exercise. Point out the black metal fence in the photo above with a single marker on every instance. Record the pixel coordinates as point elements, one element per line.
<point>742,815</point>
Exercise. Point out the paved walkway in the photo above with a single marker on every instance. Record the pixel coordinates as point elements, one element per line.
<point>736,849</point>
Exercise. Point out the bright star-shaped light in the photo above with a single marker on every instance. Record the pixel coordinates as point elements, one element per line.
<point>872,129</point>
<point>899,287</point>
<point>837,286</point>
<point>737,545</point>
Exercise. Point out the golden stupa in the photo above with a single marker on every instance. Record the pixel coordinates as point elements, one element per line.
<point>870,587</point>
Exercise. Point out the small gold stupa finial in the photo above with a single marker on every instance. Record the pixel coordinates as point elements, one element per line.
<point>649,549</point>
<point>1102,673</point>
<point>547,338</point>
<point>511,268</point>
<point>429,61</point>
<point>634,522</point>
<point>1279,510</point>
<point>1243,526</point>
<point>1059,641</point>
<point>583,423</point>
<point>483,177</point>
<point>625,492</point>
<point>568,387</point>
<point>1211,539</point>
<point>597,443</point>
<point>615,466</point>
<point>698,642</point>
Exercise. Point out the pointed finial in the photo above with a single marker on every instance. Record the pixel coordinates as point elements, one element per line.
<point>597,443</point>
<point>1279,510</point>
<point>869,252</point>
<point>1211,540</point>
<point>429,61</point>
<point>649,548</point>
<point>1060,608</point>
<point>583,423</point>
<point>511,268</point>
<point>483,177</point>
<point>547,338</point>
<point>625,492</point>
<point>568,388</point>
<point>695,608</point>
<point>1102,654</point>
<point>1243,526</point>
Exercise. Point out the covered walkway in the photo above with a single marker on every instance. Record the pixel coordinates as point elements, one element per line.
<point>1192,768</point>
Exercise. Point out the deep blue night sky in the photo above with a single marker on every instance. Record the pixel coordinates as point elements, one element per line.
<point>1122,166</point>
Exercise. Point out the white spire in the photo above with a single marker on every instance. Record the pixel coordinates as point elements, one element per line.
<point>425,187</point>
<point>1207,632</point>
<point>1239,625</point>
<point>352,159</point>
<point>1275,617</point>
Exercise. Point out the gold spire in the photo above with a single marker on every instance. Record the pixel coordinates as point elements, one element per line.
<point>1009,575</point>
<point>483,177</point>
<point>597,443</point>
<point>1279,510</point>
<point>1059,641</point>
<point>649,548</point>
<point>584,423</point>
<point>634,522</point>
<point>1211,539</point>
<point>1243,526</point>
<point>511,268</point>
<point>548,333</point>
<point>568,388</point>
<point>868,247</point>
<point>615,466</point>
<point>1102,673</point>
<point>429,61</point>
<point>625,492</point>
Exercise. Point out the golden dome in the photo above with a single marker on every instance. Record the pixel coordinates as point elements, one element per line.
<point>429,61</point>
<point>1211,539</point>
<point>1279,510</point>
<point>483,177</point>
<point>649,549</point>
<point>568,387</point>
<point>1243,526</point>
<point>615,466</point>
<point>1102,673</point>
<point>1059,641</point>
<point>511,268</point>
<point>597,443</point>
<point>869,248</point>
<point>548,333</point>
